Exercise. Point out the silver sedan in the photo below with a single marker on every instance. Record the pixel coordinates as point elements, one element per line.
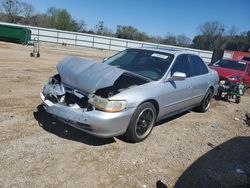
<point>128,92</point>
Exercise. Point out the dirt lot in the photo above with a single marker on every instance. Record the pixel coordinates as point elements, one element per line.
<point>190,150</point>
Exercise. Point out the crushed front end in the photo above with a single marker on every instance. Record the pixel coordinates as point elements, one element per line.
<point>74,108</point>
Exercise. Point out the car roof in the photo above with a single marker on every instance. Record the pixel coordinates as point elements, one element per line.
<point>168,50</point>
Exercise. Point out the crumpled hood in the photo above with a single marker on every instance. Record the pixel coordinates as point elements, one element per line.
<point>87,76</point>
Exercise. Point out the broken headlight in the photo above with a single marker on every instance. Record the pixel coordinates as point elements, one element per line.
<point>107,105</point>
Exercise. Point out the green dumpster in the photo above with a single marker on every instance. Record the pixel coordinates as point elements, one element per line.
<point>14,34</point>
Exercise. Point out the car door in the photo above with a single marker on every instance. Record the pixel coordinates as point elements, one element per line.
<point>177,93</point>
<point>199,78</point>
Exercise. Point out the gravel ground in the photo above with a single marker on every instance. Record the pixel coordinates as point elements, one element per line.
<point>36,150</point>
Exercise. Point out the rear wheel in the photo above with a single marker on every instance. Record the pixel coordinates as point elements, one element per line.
<point>206,102</point>
<point>141,123</point>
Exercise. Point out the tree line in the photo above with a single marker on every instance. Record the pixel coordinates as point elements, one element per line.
<point>211,35</point>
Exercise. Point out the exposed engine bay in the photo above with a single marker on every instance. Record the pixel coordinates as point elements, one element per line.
<point>58,92</point>
<point>124,82</point>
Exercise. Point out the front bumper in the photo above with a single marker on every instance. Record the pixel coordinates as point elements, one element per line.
<point>98,123</point>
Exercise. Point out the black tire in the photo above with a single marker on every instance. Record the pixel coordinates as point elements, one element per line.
<point>226,98</point>
<point>218,96</point>
<point>141,123</point>
<point>206,102</point>
<point>237,99</point>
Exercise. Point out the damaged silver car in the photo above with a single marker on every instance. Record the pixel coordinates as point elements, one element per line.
<point>129,92</point>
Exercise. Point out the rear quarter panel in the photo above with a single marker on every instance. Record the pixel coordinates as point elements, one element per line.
<point>214,80</point>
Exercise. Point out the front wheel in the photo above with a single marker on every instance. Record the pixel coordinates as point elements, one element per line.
<point>141,123</point>
<point>206,102</point>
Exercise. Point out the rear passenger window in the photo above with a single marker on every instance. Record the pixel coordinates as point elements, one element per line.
<point>198,66</point>
<point>181,64</point>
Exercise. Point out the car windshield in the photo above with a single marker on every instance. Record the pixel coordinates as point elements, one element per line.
<point>236,65</point>
<point>149,64</point>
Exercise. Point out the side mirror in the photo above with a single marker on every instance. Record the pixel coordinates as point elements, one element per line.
<point>178,76</point>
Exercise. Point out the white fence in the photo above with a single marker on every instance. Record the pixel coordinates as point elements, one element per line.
<point>96,41</point>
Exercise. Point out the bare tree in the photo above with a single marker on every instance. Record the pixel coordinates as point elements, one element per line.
<point>232,31</point>
<point>169,39</point>
<point>211,36</point>
<point>40,20</point>
<point>1,8</point>
<point>101,29</point>
<point>28,12</point>
<point>79,25</point>
<point>156,39</point>
<point>13,9</point>
<point>212,28</point>
<point>183,40</point>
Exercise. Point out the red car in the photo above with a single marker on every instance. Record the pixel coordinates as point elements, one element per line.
<point>233,70</point>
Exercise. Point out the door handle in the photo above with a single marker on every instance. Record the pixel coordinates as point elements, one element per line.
<point>189,87</point>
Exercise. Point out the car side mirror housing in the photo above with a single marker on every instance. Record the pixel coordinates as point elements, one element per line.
<point>177,76</point>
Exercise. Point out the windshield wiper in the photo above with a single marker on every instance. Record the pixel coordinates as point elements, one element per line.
<point>140,76</point>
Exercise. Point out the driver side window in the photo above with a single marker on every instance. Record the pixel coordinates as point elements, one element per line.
<point>181,64</point>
